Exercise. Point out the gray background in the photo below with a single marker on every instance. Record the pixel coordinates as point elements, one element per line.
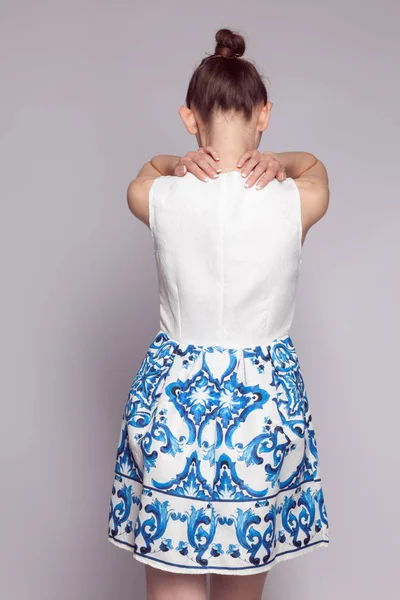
<point>90,91</point>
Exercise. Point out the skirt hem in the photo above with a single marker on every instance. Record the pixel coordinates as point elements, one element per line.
<point>167,566</point>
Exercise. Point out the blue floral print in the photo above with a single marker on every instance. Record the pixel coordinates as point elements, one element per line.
<point>217,464</point>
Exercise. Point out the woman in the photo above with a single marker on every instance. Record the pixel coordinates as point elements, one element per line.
<point>217,466</point>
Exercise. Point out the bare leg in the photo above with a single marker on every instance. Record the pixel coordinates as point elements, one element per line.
<point>237,587</point>
<point>163,585</point>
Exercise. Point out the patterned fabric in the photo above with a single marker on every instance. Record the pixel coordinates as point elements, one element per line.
<point>217,464</point>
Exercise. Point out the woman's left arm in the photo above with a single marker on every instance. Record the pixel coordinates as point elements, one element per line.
<point>203,163</point>
<point>160,165</point>
<point>165,163</point>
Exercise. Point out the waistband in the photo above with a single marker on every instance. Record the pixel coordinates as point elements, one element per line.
<point>183,348</point>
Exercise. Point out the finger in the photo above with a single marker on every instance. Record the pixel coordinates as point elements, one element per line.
<point>208,165</point>
<point>203,160</point>
<point>271,169</point>
<point>255,175</point>
<point>202,155</point>
<point>282,175</point>
<point>243,157</point>
<point>255,157</point>
<point>180,169</point>
<point>192,167</point>
<point>260,178</point>
<point>212,152</point>
<point>264,178</point>
<point>250,166</point>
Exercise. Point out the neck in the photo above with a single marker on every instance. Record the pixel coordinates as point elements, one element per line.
<point>230,139</point>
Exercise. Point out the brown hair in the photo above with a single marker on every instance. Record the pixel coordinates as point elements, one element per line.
<point>225,81</point>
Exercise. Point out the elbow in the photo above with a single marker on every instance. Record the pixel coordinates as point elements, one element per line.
<point>131,195</point>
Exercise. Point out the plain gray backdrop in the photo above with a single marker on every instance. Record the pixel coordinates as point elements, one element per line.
<point>90,91</point>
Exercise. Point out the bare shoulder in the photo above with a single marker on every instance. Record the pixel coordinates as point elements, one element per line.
<point>313,187</point>
<point>138,197</point>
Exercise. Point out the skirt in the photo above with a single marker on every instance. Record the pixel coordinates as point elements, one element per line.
<point>217,465</point>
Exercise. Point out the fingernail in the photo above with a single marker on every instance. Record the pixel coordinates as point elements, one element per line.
<point>215,175</point>
<point>257,187</point>
<point>244,175</point>
<point>246,184</point>
<point>217,158</point>
<point>206,179</point>
<point>238,165</point>
<point>219,170</point>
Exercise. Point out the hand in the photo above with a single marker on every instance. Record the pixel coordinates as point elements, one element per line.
<point>264,166</point>
<point>202,163</point>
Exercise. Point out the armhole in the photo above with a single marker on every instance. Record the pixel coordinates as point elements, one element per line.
<point>152,190</point>
<point>152,201</point>
<point>299,217</point>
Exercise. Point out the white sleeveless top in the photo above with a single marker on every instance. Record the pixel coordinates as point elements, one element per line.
<point>228,258</point>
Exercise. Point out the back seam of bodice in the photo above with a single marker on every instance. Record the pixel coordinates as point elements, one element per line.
<point>227,257</point>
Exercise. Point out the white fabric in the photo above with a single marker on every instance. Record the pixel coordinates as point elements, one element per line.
<point>217,467</point>
<point>228,258</point>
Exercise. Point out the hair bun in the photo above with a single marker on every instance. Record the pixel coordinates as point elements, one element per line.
<point>229,44</point>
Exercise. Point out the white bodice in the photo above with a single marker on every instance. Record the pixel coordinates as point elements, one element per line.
<point>228,258</point>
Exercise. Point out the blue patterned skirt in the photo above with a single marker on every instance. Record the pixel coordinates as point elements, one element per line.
<point>217,466</point>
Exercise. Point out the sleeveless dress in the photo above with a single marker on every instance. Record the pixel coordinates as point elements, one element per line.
<point>217,467</point>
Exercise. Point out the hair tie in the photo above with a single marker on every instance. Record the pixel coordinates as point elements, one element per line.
<point>222,56</point>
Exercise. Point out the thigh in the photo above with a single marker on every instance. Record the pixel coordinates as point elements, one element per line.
<point>164,585</point>
<point>237,587</point>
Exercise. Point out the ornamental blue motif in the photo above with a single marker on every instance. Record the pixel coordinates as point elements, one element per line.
<point>217,462</point>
